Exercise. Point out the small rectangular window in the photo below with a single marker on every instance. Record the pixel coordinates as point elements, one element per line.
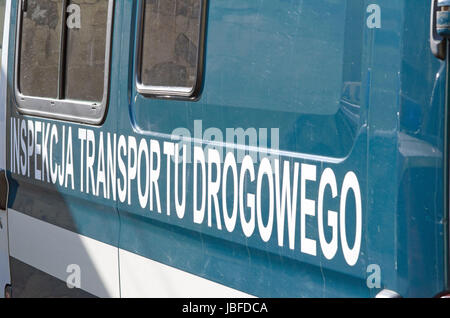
<point>171,48</point>
<point>85,60</point>
<point>39,52</point>
<point>62,58</point>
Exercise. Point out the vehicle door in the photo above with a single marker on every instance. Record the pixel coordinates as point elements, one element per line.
<point>61,111</point>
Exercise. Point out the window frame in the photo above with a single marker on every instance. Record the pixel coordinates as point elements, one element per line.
<point>171,92</point>
<point>87,112</point>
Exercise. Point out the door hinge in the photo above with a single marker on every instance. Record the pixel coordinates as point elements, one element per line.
<point>439,27</point>
<point>4,189</point>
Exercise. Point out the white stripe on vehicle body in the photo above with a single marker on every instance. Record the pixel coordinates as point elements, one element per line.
<point>54,250</point>
<point>143,277</point>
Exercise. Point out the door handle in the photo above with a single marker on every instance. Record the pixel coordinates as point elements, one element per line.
<point>437,43</point>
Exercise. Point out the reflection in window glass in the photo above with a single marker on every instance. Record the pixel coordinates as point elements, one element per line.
<point>86,43</point>
<point>40,45</point>
<point>170,45</point>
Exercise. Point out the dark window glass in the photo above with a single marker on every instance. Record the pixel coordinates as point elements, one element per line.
<point>170,45</point>
<point>80,50</point>
<point>86,43</point>
<point>40,46</point>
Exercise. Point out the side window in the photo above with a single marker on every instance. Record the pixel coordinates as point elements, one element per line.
<point>39,52</point>
<point>62,58</point>
<point>170,59</point>
<point>85,59</point>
